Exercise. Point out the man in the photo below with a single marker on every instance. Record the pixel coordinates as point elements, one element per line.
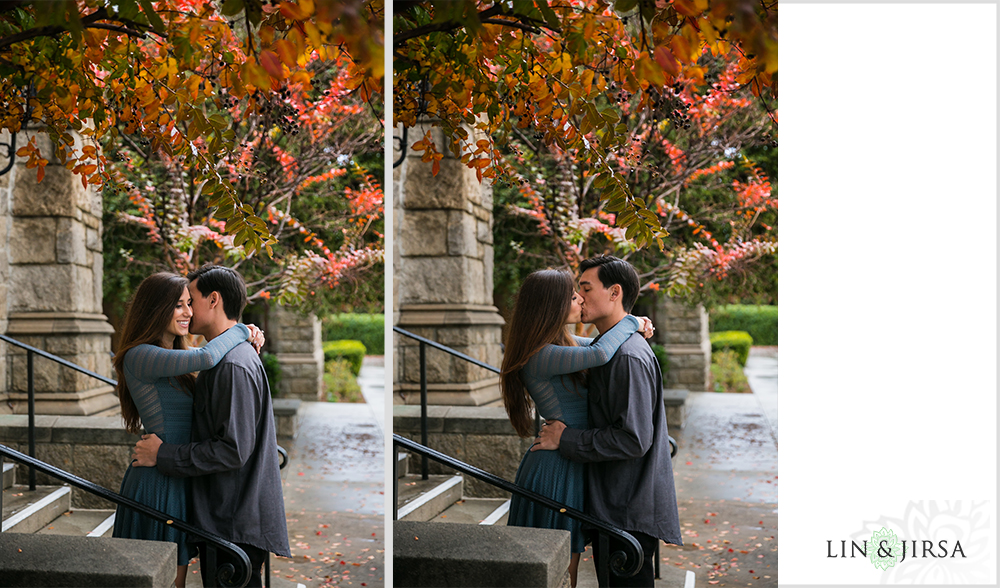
<point>233,457</point>
<point>630,481</point>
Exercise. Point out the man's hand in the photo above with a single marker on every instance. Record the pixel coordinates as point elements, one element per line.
<point>549,438</point>
<point>144,453</point>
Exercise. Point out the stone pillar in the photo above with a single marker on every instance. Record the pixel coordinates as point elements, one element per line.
<point>443,279</point>
<point>53,266</point>
<point>689,352</point>
<point>6,185</point>
<point>296,341</point>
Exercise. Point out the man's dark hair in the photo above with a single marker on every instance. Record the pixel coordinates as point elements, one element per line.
<point>227,282</point>
<point>611,271</point>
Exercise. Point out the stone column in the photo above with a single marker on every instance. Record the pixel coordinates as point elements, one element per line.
<point>53,262</point>
<point>6,184</point>
<point>296,341</point>
<point>444,279</point>
<point>689,352</point>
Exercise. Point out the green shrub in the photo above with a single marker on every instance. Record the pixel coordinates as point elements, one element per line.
<point>340,382</point>
<point>727,373</point>
<point>738,341</point>
<point>272,369</point>
<point>352,351</point>
<point>661,357</point>
<point>367,328</point>
<point>760,321</point>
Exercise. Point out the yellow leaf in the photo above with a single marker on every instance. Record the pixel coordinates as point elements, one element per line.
<point>315,37</point>
<point>648,70</point>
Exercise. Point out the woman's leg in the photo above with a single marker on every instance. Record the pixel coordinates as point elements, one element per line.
<point>574,565</point>
<point>182,572</point>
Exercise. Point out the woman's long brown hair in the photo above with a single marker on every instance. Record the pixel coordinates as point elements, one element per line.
<point>539,318</point>
<point>149,312</point>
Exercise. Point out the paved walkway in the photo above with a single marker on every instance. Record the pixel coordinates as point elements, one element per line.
<point>726,474</point>
<point>333,489</point>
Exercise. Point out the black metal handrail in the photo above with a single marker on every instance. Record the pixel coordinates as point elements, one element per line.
<point>424,343</point>
<point>623,564</point>
<point>227,575</point>
<point>32,351</point>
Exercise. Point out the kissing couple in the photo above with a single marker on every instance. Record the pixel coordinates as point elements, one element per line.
<point>210,455</point>
<point>603,448</point>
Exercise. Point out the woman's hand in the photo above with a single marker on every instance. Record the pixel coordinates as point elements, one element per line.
<point>256,337</point>
<point>645,326</point>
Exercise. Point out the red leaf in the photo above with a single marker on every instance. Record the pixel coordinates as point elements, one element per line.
<point>272,64</point>
<point>667,61</point>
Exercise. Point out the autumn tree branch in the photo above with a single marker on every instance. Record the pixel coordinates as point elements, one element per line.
<point>523,22</point>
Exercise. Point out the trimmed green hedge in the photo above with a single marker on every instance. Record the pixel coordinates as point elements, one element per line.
<point>367,328</point>
<point>760,321</point>
<point>738,341</point>
<point>352,351</point>
<point>661,357</point>
<point>272,369</point>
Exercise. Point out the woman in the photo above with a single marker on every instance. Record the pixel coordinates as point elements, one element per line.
<point>155,384</point>
<point>543,364</point>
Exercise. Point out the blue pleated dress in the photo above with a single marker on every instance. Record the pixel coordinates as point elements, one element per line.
<point>166,410</point>
<point>558,397</point>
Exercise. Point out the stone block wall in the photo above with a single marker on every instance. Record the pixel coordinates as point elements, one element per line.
<point>296,342</point>
<point>97,449</point>
<point>481,436</point>
<point>51,294</point>
<point>444,279</point>
<point>689,352</point>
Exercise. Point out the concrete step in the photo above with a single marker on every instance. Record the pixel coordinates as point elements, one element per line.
<point>26,511</point>
<point>8,476</point>
<point>422,500</point>
<point>91,523</point>
<point>427,554</point>
<point>476,511</point>
<point>64,560</point>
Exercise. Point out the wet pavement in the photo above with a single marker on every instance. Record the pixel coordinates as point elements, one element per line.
<point>726,475</point>
<point>334,491</point>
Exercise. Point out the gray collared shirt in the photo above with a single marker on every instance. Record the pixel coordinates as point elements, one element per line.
<point>233,457</point>
<point>630,480</point>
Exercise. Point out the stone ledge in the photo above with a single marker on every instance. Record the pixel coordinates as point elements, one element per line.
<point>479,420</point>
<point>435,554</point>
<point>27,560</point>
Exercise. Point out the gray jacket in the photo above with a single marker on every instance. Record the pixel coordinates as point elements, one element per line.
<point>233,459</point>
<point>630,480</point>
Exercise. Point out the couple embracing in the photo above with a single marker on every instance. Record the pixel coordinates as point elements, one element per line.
<point>604,447</point>
<point>210,455</point>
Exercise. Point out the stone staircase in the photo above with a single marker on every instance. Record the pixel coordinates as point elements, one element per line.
<point>46,511</point>
<point>28,516</point>
<point>439,499</point>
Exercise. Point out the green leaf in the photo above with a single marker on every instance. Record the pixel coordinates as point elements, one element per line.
<point>625,6</point>
<point>127,9</point>
<point>154,19</point>
<point>232,7</point>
